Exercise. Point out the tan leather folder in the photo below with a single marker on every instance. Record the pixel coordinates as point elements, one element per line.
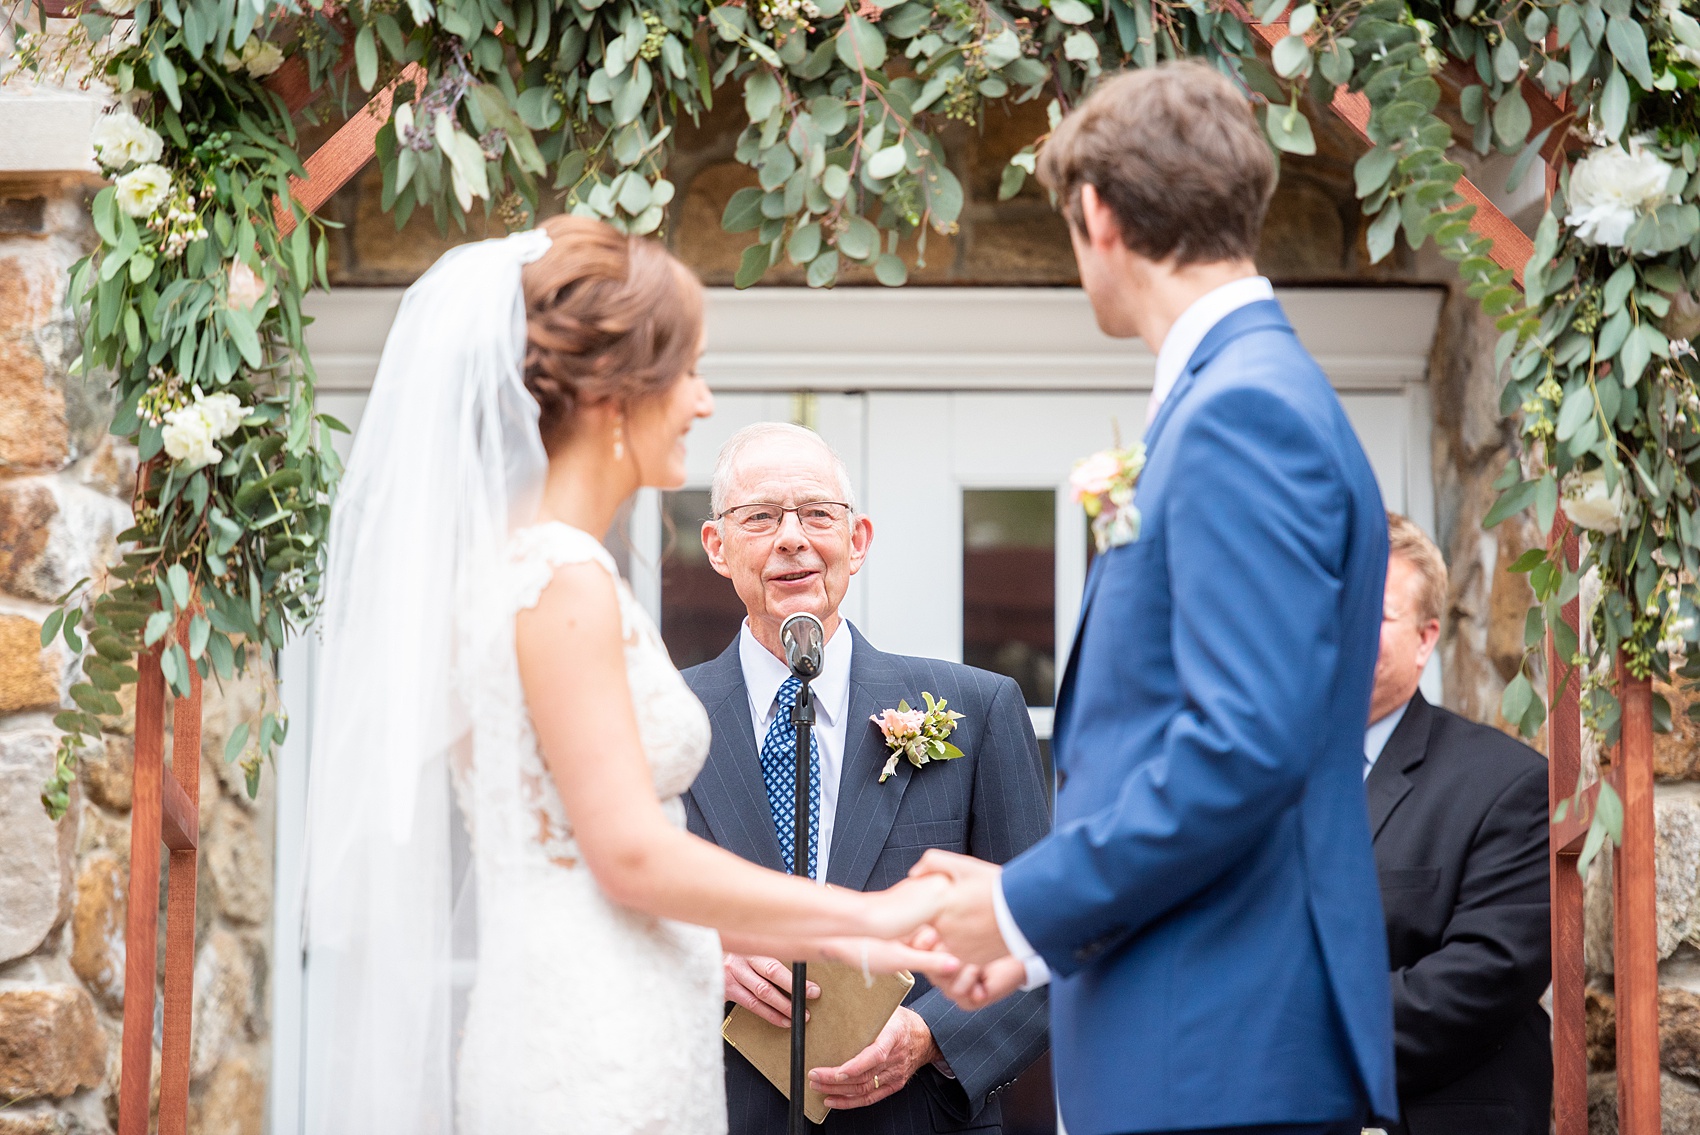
<point>843,1021</point>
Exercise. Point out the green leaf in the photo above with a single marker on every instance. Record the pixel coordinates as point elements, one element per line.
<point>366,57</point>
<point>1614,105</point>
<point>1289,129</point>
<point>1628,42</point>
<point>159,625</point>
<point>179,578</point>
<point>804,243</point>
<point>752,265</point>
<point>1290,56</point>
<point>199,630</point>
<point>887,162</point>
<point>762,93</point>
<point>1071,11</point>
<point>1373,170</point>
<point>1514,703</point>
<point>823,270</point>
<point>860,45</point>
<point>1511,501</point>
<point>1382,232</point>
<point>50,627</point>
<point>890,270</point>
<point>743,211</point>
<point>859,240</point>
<point>1511,118</point>
<point>835,181</point>
<point>237,742</point>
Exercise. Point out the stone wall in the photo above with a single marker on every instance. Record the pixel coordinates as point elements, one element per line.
<point>64,487</point>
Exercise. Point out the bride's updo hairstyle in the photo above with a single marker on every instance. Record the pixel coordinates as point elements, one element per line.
<point>609,318</point>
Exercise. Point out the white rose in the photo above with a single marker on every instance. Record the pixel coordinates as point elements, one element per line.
<point>188,437</point>
<point>244,288</point>
<point>223,413</point>
<point>1588,505</point>
<point>1610,187</point>
<point>144,189</point>
<point>260,57</point>
<point>121,138</point>
<point>119,7</point>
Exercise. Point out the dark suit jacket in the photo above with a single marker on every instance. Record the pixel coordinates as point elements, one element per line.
<point>991,803</point>
<point>1459,813</point>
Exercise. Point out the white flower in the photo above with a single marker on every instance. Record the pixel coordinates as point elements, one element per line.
<point>1588,505</point>
<point>1092,476</point>
<point>243,286</point>
<point>121,138</point>
<point>188,436</point>
<point>119,7</point>
<point>261,58</point>
<point>1610,187</point>
<point>144,189</point>
<point>223,412</point>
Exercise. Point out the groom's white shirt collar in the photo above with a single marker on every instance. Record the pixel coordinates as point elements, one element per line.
<point>764,674</point>
<point>1194,324</point>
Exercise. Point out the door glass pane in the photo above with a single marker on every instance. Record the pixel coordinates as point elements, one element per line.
<point>700,611</point>
<point>1009,586</point>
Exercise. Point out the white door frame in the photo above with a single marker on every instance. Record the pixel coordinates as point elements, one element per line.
<point>1369,341</point>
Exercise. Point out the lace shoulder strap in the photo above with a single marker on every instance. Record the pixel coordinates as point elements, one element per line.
<point>534,553</point>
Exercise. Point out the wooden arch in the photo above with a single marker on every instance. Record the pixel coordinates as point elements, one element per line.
<point>165,809</point>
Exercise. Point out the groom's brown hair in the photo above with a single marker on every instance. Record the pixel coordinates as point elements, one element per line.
<point>1176,154</point>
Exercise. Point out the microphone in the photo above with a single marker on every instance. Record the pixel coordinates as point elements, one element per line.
<point>804,639</point>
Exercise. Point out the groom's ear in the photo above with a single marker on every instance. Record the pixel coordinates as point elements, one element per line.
<point>1103,232</point>
<point>715,546</point>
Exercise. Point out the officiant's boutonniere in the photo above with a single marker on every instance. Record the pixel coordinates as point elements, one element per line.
<point>1103,485</point>
<point>918,734</point>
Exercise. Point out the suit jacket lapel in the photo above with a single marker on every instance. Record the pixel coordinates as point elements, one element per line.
<point>1388,783</point>
<point>730,790</point>
<point>867,808</point>
<point>1252,317</point>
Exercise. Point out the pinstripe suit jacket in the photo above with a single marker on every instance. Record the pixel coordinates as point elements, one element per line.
<point>992,803</point>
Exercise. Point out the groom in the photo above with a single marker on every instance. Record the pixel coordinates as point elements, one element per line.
<point>787,535</point>
<point>1207,907</point>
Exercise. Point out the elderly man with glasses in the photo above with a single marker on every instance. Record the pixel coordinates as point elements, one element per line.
<point>786,532</point>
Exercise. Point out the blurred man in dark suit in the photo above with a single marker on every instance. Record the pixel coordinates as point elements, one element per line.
<point>1459,813</point>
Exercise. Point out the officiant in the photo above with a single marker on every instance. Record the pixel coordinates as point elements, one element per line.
<point>785,530</point>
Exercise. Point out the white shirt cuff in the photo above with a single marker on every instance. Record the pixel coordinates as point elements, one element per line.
<point>1038,973</point>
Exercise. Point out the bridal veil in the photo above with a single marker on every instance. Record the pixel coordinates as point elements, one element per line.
<point>448,457</point>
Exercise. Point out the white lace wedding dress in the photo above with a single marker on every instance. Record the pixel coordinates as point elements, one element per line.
<point>585,1018</point>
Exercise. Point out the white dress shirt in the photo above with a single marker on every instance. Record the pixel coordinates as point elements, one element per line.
<point>1377,735</point>
<point>764,674</point>
<point>1172,357</point>
<point>1194,324</point>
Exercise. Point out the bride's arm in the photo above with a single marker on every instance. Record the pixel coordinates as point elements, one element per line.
<point>572,665</point>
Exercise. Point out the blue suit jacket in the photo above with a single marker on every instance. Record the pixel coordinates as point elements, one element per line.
<point>1208,900</point>
<point>990,803</point>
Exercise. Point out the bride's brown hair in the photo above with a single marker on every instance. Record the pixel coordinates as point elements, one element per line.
<point>609,317</point>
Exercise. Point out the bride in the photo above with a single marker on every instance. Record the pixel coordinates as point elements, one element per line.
<point>482,655</point>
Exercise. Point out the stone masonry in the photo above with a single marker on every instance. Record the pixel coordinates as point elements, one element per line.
<point>64,490</point>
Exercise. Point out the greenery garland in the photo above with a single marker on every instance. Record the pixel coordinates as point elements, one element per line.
<point>529,104</point>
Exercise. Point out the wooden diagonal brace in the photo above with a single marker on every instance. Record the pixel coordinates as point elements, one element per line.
<point>1511,248</point>
<point>347,151</point>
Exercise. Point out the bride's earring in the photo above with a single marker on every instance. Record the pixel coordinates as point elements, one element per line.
<point>619,441</point>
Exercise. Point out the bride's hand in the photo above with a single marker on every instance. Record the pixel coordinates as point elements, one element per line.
<point>899,911</point>
<point>876,955</point>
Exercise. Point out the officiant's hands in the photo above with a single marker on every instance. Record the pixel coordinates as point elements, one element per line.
<point>763,986</point>
<point>904,1047</point>
<point>966,920</point>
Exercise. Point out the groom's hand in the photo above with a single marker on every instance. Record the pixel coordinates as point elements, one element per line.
<point>966,922</point>
<point>763,986</point>
<point>903,1047</point>
<point>975,987</point>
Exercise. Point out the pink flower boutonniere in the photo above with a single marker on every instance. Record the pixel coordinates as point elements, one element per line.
<point>1103,485</point>
<point>918,734</point>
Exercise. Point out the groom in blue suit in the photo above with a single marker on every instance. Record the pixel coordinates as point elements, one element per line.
<point>1206,910</point>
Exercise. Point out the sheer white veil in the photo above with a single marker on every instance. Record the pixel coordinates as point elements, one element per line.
<point>447,458</point>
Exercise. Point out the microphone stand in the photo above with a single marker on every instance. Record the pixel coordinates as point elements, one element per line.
<point>803,717</point>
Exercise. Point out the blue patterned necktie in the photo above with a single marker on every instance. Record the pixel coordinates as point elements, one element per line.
<point>779,770</point>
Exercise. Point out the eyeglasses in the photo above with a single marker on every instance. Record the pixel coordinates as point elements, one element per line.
<point>818,517</point>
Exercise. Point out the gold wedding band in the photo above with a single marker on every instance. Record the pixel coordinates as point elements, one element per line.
<point>876,1081</point>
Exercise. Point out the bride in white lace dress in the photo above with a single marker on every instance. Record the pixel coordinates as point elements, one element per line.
<point>477,633</point>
